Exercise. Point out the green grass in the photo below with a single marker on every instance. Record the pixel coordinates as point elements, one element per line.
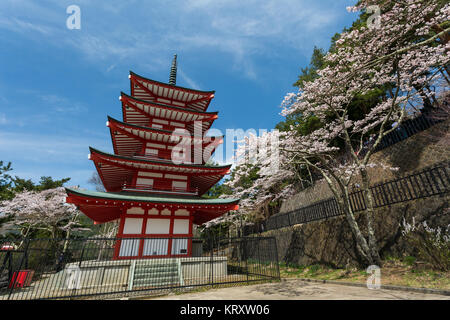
<point>400,272</point>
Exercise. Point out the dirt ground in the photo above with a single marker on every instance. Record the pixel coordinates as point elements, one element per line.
<point>296,289</point>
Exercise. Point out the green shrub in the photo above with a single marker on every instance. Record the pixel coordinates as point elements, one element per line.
<point>314,268</point>
<point>409,260</point>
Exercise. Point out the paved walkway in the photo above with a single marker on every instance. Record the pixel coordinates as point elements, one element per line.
<point>294,289</point>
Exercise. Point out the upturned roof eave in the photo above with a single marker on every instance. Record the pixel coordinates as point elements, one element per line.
<point>170,106</point>
<point>148,198</point>
<point>149,128</point>
<point>201,166</point>
<point>170,85</point>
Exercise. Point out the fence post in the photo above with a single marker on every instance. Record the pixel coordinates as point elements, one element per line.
<point>81,255</point>
<point>274,243</point>
<point>211,264</point>
<point>260,262</point>
<point>244,251</point>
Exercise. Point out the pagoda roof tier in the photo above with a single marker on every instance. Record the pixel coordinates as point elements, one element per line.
<point>141,112</point>
<point>128,139</point>
<point>116,171</point>
<point>107,206</point>
<point>151,90</point>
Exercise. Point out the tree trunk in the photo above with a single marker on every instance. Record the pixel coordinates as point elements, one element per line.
<point>66,241</point>
<point>361,242</point>
<point>374,252</point>
<point>342,197</point>
<point>344,204</point>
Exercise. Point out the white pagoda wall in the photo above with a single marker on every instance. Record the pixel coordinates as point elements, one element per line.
<point>157,231</point>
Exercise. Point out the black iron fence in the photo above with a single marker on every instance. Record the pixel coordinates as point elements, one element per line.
<point>424,183</point>
<point>408,128</point>
<point>90,268</point>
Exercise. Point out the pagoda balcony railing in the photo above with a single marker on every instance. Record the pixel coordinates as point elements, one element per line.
<point>162,155</point>
<point>159,189</point>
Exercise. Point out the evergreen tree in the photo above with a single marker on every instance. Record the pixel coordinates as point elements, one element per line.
<point>6,192</point>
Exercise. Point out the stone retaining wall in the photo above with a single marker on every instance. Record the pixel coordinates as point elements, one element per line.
<point>331,241</point>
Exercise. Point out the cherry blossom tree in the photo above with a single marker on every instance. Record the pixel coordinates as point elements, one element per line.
<point>406,51</point>
<point>258,177</point>
<point>46,210</point>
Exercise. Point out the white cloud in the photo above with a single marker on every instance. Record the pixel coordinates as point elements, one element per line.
<point>35,155</point>
<point>111,67</point>
<point>18,25</point>
<point>44,148</point>
<point>115,31</point>
<point>190,82</point>
<point>3,119</point>
<point>62,104</point>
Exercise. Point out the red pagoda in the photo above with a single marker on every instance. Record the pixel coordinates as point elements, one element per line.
<point>157,175</point>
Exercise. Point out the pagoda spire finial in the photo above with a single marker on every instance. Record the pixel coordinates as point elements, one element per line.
<point>173,71</point>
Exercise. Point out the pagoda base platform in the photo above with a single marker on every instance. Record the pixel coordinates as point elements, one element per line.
<point>141,273</point>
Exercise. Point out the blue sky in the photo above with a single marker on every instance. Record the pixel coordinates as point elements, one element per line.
<point>57,85</point>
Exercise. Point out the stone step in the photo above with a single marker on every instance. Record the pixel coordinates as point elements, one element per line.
<point>155,270</point>
<point>157,274</point>
<point>155,262</point>
<point>159,265</point>
<point>156,266</point>
<point>155,282</point>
